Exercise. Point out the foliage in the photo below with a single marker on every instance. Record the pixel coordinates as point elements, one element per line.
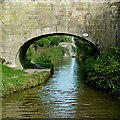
<point>84,50</point>
<point>44,64</point>
<point>104,72</point>
<point>44,56</point>
<point>28,64</point>
<point>51,40</point>
<point>52,53</point>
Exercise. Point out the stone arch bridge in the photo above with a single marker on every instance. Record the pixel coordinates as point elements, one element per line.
<point>25,21</point>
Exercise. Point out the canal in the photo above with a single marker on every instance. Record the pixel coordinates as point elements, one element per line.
<point>64,95</point>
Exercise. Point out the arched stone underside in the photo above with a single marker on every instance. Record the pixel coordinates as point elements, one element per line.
<point>20,57</point>
<point>96,21</point>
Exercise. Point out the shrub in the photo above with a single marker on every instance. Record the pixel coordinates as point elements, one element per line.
<point>104,72</point>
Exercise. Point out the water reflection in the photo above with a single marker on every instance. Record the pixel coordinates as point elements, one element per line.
<point>64,95</point>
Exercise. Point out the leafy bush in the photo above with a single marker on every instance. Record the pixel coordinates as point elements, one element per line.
<point>51,41</point>
<point>104,72</point>
<point>84,49</point>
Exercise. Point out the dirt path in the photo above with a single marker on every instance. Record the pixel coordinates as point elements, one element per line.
<point>37,69</point>
<point>30,71</point>
<point>37,66</point>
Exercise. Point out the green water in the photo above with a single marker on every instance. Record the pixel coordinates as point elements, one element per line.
<point>63,96</point>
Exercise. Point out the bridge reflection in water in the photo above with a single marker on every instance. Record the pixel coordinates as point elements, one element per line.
<point>64,95</point>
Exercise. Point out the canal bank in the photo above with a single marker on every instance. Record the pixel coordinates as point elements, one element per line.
<point>16,80</point>
<point>102,70</point>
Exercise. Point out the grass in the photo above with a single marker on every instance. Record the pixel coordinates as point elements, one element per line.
<point>44,64</point>
<point>10,72</point>
<point>29,65</point>
<point>44,56</point>
<point>11,85</point>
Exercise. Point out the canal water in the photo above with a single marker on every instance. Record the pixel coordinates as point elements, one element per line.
<point>63,96</point>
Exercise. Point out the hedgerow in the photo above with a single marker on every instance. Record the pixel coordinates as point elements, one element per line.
<point>104,71</point>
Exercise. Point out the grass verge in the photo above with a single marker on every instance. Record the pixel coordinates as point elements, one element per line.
<point>11,85</point>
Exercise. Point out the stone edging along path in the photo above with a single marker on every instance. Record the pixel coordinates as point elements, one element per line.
<point>34,77</point>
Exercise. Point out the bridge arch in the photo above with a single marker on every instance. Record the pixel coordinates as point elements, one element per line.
<point>20,56</point>
<point>94,20</point>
